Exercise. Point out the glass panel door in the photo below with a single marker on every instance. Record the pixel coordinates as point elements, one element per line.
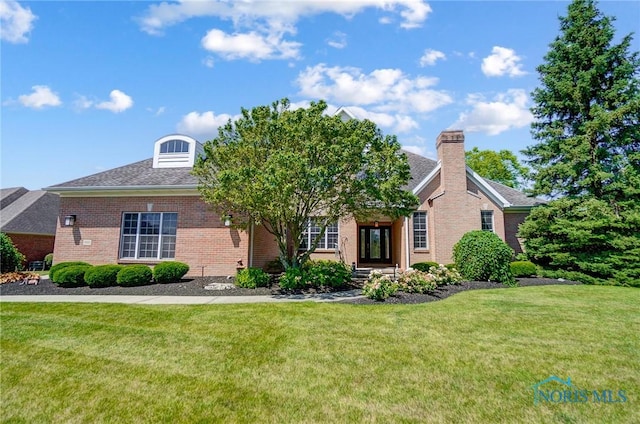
<point>374,245</point>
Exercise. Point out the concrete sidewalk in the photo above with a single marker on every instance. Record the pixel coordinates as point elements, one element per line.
<point>184,300</point>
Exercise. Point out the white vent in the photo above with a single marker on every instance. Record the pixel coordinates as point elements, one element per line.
<point>175,151</point>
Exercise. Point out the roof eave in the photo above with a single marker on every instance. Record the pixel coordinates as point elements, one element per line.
<point>99,191</point>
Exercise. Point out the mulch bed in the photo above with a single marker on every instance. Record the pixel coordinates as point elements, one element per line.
<point>195,287</point>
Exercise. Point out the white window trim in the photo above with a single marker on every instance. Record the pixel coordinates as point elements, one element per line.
<point>307,235</point>
<point>158,256</point>
<point>426,230</point>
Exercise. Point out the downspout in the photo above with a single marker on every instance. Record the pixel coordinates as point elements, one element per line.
<point>251,236</point>
<point>406,242</point>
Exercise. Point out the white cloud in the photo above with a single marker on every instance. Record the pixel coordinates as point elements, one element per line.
<point>42,96</point>
<point>261,25</point>
<point>82,102</point>
<point>502,61</point>
<point>430,57</point>
<point>208,62</point>
<point>15,21</point>
<point>204,125</point>
<point>251,45</point>
<point>160,16</point>
<point>383,90</point>
<point>418,150</point>
<point>338,40</point>
<point>507,111</point>
<point>119,102</point>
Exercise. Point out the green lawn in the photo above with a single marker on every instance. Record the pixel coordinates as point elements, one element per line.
<point>470,358</point>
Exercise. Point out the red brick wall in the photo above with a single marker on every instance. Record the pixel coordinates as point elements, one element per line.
<point>33,247</point>
<point>511,223</point>
<point>202,240</point>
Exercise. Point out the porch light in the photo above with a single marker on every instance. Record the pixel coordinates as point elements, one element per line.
<point>69,220</point>
<point>227,220</point>
<point>376,223</point>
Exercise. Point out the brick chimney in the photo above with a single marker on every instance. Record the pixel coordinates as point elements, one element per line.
<point>450,147</point>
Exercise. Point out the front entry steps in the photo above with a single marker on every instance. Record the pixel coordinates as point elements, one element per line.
<point>362,274</point>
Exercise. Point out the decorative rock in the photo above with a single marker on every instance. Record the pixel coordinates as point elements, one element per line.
<point>219,286</point>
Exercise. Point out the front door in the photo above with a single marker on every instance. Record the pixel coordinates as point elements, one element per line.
<point>375,244</point>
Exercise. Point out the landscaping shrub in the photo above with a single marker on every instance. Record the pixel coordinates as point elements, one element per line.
<point>379,286</point>
<point>134,275</point>
<point>62,265</point>
<point>327,273</point>
<point>482,255</point>
<point>274,267</point>
<point>250,278</point>
<point>10,257</point>
<point>423,266</point>
<point>71,276</point>
<point>169,272</point>
<point>102,275</point>
<point>443,275</point>
<point>523,269</point>
<point>48,261</point>
<point>414,281</point>
<point>292,279</point>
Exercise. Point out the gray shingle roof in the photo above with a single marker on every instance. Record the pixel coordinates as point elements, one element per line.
<point>31,212</point>
<point>513,196</point>
<point>143,175</point>
<point>420,168</point>
<point>138,174</point>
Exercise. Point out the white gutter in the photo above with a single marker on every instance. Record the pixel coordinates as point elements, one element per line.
<point>251,234</point>
<point>406,242</point>
<point>493,194</point>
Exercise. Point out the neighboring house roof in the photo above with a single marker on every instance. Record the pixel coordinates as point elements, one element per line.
<point>143,176</point>
<point>28,212</point>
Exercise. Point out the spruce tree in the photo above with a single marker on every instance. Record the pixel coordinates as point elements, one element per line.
<point>587,125</point>
<point>587,110</point>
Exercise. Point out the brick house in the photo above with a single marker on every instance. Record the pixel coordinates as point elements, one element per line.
<point>151,211</point>
<point>29,218</point>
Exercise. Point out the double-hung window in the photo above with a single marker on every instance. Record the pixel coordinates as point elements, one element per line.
<point>328,241</point>
<point>486,218</point>
<point>420,239</point>
<point>148,235</point>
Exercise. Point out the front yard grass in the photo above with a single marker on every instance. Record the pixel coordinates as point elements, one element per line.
<point>473,357</point>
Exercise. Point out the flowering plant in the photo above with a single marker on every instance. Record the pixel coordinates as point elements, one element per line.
<point>379,286</point>
<point>442,275</point>
<point>414,281</point>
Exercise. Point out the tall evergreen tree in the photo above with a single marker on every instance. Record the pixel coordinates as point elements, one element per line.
<point>587,110</point>
<point>587,124</point>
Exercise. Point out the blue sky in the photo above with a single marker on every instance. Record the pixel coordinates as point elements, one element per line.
<point>89,86</point>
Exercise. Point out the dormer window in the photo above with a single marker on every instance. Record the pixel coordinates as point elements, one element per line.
<point>174,146</point>
<point>175,151</point>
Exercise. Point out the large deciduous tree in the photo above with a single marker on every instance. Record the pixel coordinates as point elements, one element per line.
<point>587,124</point>
<point>502,166</point>
<point>279,167</point>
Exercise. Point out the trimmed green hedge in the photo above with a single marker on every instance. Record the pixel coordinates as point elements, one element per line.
<point>169,272</point>
<point>134,275</point>
<point>483,256</point>
<point>62,265</point>
<point>72,276</point>
<point>250,278</point>
<point>102,275</point>
<point>523,269</point>
<point>424,266</point>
